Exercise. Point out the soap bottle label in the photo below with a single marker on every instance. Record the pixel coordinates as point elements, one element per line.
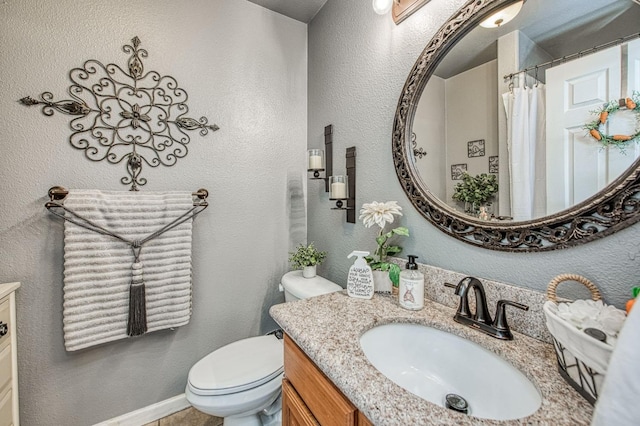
<point>360,278</point>
<point>360,282</point>
<point>411,294</point>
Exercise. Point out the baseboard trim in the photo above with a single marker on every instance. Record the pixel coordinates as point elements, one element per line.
<point>150,413</point>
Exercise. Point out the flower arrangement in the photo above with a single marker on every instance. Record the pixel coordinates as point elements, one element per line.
<point>306,256</point>
<point>596,127</point>
<point>380,214</point>
<point>476,189</point>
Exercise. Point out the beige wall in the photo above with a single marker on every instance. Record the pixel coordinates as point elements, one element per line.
<point>429,125</point>
<point>472,107</point>
<point>451,112</point>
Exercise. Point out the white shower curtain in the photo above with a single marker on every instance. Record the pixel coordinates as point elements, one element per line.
<point>526,143</point>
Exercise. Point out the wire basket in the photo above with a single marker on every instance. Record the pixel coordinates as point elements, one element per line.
<point>582,359</point>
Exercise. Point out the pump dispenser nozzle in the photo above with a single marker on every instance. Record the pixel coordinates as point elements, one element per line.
<point>358,253</point>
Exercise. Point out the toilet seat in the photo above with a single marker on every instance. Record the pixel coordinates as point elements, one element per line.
<point>237,367</point>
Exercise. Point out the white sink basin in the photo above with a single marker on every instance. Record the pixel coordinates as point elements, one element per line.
<point>431,363</point>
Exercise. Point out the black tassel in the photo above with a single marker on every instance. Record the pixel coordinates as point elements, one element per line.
<point>137,324</point>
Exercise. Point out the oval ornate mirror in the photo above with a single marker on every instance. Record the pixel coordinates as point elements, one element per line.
<point>584,189</point>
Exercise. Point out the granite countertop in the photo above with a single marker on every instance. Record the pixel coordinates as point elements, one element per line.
<point>328,329</point>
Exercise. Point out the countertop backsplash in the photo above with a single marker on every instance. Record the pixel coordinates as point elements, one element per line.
<point>531,322</point>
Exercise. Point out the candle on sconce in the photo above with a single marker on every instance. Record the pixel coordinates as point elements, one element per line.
<point>338,187</point>
<point>315,162</point>
<point>315,159</point>
<point>338,190</point>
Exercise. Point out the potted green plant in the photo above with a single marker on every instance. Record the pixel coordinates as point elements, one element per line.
<point>307,258</point>
<point>380,214</point>
<point>475,191</point>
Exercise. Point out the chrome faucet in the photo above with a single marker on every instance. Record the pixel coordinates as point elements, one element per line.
<point>481,319</point>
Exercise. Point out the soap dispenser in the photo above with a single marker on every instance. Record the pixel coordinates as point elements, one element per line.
<point>360,279</point>
<point>411,286</point>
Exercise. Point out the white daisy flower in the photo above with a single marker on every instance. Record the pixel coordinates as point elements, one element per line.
<point>379,213</point>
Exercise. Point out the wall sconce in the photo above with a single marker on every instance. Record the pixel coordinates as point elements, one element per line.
<point>341,188</point>
<point>400,9</point>
<point>322,161</point>
<point>502,16</point>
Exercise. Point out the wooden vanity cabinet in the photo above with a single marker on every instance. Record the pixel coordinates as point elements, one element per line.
<point>309,398</point>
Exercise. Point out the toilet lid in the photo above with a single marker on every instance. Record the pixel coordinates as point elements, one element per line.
<point>238,366</point>
<point>305,288</point>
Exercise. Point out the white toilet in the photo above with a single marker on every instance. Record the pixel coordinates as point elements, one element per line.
<point>242,381</point>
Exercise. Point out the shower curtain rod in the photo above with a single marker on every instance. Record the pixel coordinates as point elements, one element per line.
<point>573,55</point>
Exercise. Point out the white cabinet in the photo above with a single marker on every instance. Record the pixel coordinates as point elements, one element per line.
<point>8,356</point>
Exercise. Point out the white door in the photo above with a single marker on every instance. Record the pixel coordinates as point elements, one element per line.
<point>633,66</point>
<point>577,165</point>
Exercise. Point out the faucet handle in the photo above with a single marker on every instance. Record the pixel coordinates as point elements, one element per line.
<point>500,322</point>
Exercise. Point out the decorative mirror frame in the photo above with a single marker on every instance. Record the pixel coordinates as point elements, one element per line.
<point>613,208</point>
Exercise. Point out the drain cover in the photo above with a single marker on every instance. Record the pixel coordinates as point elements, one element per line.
<point>456,403</point>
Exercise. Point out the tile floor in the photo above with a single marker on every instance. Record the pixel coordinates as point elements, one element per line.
<point>188,417</point>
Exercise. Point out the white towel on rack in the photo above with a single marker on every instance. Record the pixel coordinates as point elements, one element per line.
<point>97,268</point>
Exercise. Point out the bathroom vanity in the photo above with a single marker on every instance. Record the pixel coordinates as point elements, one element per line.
<point>309,397</point>
<point>327,372</point>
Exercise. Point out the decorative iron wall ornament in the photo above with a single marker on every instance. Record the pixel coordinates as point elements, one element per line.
<point>494,164</point>
<point>419,152</point>
<point>615,207</point>
<point>457,170</point>
<point>475,148</point>
<point>126,114</point>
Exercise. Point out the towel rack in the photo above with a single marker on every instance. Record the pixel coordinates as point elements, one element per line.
<point>134,231</point>
<point>59,193</point>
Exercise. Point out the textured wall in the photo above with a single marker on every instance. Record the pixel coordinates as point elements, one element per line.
<point>243,67</point>
<point>358,62</point>
<point>429,125</point>
<point>472,114</point>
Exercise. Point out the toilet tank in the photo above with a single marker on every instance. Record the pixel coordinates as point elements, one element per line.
<point>297,287</point>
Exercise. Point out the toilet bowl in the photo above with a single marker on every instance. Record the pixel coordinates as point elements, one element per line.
<point>242,381</point>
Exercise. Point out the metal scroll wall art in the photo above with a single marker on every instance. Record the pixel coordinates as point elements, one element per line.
<point>126,114</point>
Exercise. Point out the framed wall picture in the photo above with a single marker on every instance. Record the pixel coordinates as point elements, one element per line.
<point>475,148</point>
<point>493,164</point>
<point>457,170</point>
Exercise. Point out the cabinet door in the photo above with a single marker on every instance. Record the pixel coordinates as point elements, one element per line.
<point>6,412</point>
<point>6,366</point>
<point>363,420</point>
<point>294,410</point>
<point>328,405</point>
